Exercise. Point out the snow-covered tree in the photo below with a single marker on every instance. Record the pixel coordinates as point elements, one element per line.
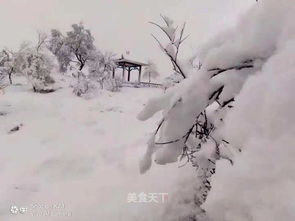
<point>36,63</point>
<point>56,45</point>
<point>77,46</point>
<point>80,43</point>
<point>150,71</point>
<point>6,64</point>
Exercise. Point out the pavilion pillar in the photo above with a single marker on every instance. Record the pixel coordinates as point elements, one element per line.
<point>139,74</point>
<point>129,70</point>
<point>123,73</point>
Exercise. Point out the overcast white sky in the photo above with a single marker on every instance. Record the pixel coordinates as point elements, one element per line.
<point>117,25</point>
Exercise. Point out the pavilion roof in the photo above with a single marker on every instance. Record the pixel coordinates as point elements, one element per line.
<point>129,62</point>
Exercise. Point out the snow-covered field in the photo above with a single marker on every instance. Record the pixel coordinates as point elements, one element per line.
<point>78,154</point>
<point>64,157</point>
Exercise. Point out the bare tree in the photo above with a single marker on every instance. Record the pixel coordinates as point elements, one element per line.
<point>42,38</point>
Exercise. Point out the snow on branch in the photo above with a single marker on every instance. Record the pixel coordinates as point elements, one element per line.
<point>243,65</point>
<point>194,128</point>
<point>193,111</point>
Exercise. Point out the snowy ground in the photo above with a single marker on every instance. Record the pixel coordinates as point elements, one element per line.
<point>80,154</point>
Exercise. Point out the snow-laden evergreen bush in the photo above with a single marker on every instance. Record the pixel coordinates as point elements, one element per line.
<point>213,112</point>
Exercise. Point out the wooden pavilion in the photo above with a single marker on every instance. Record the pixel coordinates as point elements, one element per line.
<point>128,65</point>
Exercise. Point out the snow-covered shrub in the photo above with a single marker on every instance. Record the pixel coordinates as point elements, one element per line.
<point>2,77</point>
<point>36,64</point>
<point>113,84</point>
<point>38,72</point>
<point>84,85</point>
<point>101,67</point>
<point>98,76</point>
<point>88,87</point>
<point>205,119</point>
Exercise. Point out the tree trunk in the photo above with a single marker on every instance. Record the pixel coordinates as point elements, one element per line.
<point>10,75</point>
<point>81,66</point>
<point>10,79</point>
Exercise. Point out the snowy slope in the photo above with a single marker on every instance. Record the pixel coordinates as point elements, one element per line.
<point>80,153</point>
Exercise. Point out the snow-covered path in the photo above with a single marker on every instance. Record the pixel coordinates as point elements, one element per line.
<point>80,154</point>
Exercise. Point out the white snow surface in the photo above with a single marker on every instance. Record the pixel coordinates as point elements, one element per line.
<point>80,153</point>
